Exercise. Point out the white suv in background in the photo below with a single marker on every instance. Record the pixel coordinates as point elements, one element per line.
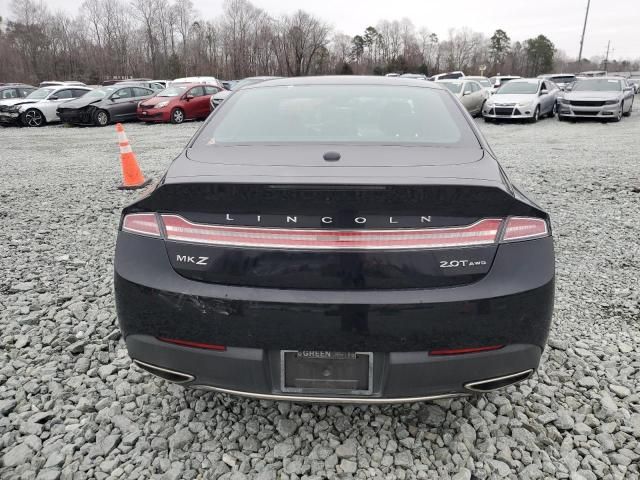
<point>40,106</point>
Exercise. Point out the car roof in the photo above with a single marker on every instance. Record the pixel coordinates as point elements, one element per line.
<point>527,80</point>
<point>189,84</point>
<point>602,78</point>
<point>344,80</point>
<point>64,87</point>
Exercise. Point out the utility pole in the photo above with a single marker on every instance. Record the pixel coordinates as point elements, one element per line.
<point>584,29</point>
<point>606,58</point>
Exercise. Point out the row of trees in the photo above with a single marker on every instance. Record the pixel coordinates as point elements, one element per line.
<point>168,39</point>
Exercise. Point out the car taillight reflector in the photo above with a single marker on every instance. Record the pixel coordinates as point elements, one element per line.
<point>524,228</point>
<point>141,223</point>
<point>186,343</point>
<point>460,351</point>
<point>482,232</point>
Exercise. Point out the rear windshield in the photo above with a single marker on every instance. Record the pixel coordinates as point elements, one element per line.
<point>518,88</point>
<point>379,114</point>
<point>564,79</point>
<point>597,85</point>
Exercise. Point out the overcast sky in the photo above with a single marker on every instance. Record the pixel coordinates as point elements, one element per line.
<point>560,20</point>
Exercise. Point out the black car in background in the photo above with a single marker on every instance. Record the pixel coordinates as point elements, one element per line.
<point>9,91</point>
<point>115,103</point>
<point>336,239</point>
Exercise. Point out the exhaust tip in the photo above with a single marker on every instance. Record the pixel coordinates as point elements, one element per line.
<point>495,383</point>
<point>165,373</point>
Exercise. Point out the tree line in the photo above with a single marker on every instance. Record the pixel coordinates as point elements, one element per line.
<point>169,38</point>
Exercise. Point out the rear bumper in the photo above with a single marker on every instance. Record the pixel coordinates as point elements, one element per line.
<point>397,376</point>
<point>512,305</point>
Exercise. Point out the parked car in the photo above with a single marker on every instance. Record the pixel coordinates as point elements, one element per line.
<point>219,97</point>
<point>39,107</point>
<point>55,83</point>
<point>207,80</point>
<point>415,76</point>
<point>499,80</point>
<point>298,250</point>
<point>105,105</point>
<point>608,98</point>
<point>446,76</point>
<point>228,84</point>
<point>469,92</point>
<point>483,81</point>
<point>524,98</point>
<point>11,91</point>
<point>179,102</point>
<point>562,80</point>
<point>593,73</point>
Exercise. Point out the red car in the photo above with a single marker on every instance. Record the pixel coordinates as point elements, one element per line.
<point>177,103</point>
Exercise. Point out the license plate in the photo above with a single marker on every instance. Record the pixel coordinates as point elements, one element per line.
<point>304,371</point>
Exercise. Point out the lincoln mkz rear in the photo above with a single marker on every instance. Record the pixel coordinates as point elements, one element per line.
<point>336,239</point>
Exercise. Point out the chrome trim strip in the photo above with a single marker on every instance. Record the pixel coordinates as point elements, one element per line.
<point>142,365</point>
<point>304,234</point>
<point>473,386</point>
<point>318,399</point>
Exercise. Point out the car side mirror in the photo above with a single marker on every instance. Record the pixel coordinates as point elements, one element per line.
<point>544,91</point>
<point>466,92</point>
<point>53,97</point>
<point>189,97</point>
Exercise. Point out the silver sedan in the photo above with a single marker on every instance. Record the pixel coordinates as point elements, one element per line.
<point>470,93</point>
<point>526,98</point>
<point>603,98</point>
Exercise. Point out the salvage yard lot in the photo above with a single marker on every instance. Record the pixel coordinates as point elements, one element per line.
<point>72,406</point>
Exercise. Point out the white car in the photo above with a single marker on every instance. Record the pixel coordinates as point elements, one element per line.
<point>207,80</point>
<point>523,98</point>
<point>56,83</point>
<point>447,76</point>
<point>483,81</point>
<point>39,108</point>
<point>469,92</point>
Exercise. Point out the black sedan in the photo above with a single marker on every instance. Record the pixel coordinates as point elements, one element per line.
<point>105,105</point>
<point>337,239</point>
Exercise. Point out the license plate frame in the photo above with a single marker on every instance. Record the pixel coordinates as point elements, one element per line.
<point>332,358</point>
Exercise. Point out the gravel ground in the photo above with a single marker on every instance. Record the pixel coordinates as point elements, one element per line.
<point>72,406</point>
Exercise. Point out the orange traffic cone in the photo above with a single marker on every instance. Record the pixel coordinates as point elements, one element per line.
<point>132,177</point>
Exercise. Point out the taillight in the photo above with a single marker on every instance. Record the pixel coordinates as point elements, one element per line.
<point>460,351</point>
<point>187,343</point>
<point>142,224</point>
<point>525,228</point>
<point>483,232</point>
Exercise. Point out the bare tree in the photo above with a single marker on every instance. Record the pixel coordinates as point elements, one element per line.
<point>298,39</point>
